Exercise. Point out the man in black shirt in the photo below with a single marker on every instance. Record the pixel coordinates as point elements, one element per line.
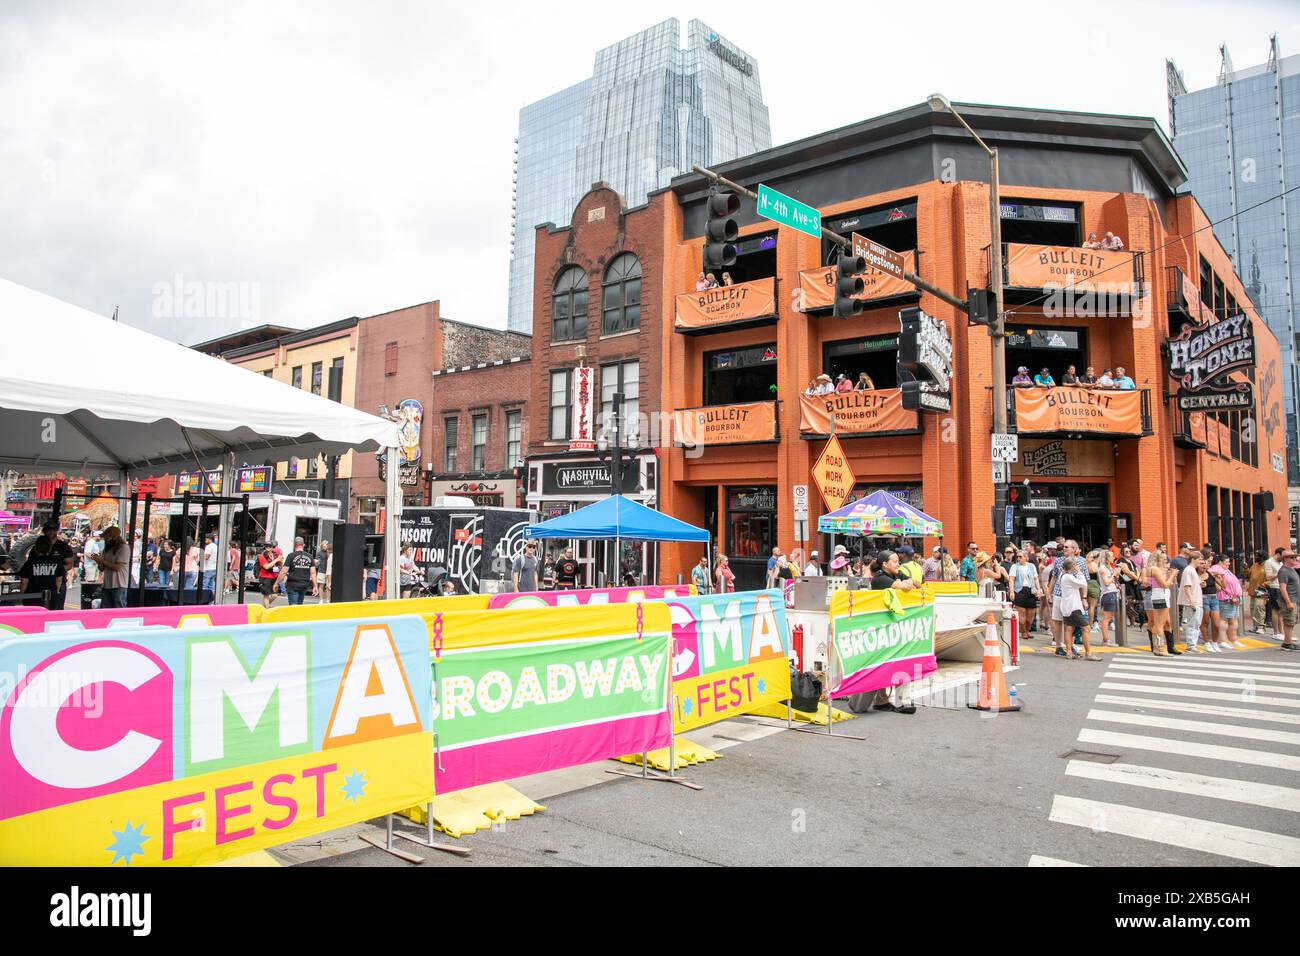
<point>47,566</point>
<point>298,574</point>
<point>566,571</point>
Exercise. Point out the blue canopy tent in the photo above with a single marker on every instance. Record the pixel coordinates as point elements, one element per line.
<point>616,518</point>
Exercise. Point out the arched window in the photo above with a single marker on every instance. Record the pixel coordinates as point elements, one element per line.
<point>569,306</point>
<point>622,305</point>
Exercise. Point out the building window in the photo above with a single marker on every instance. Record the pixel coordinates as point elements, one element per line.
<point>740,375</point>
<point>624,377</point>
<point>514,437</point>
<point>451,433</point>
<point>268,372</point>
<point>368,512</point>
<point>569,306</point>
<point>478,446</point>
<point>336,380</point>
<point>297,376</point>
<point>317,369</point>
<point>622,296</point>
<point>559,424</point>
<point>390,358</point>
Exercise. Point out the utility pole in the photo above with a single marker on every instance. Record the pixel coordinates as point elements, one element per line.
<point>616,481</point>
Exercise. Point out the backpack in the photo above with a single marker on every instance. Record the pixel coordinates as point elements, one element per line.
<point>805,691</point>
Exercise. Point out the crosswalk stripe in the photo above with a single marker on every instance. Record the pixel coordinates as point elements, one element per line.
<point>1198,682</point>
<point>1221,839</point>
<point>1050,861</point>
<point>1196,726</point>
<point>1190,748</point>
<point>1204,670</point>
<point>1222,659</point>
<point>1238,697</point>
<point>1210,710</point>
<point>1196,784</point>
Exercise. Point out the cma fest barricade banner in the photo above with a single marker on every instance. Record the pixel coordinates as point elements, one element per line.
<point>1069,409</point>
<point>164,747</point>
<point>1036,267</point>
<point>584,596</point>
<point>62,622</point>
<point>730,655</point>
<point>1203,358</point>
<point>880,410</point>
<point>817,286</point>
<point>523,691</point>
<point>726,305</point>
<point>725,424</point>
<point>880,639</point>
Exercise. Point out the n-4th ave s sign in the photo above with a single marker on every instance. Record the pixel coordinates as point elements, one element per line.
<point>780,208</point>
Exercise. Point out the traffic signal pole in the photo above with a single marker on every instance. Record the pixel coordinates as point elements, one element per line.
<point>843,243</point>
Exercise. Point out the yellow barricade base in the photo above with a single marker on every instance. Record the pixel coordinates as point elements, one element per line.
<point>819,718</point>
<point>688,752</point>
<point>476,808</point>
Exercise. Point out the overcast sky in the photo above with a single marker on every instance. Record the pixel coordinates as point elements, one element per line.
<point>345,159</point>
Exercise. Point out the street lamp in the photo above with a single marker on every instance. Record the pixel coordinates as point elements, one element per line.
<point>997,328</point>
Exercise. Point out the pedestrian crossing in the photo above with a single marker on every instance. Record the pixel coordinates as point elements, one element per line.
<point>1185,761</point>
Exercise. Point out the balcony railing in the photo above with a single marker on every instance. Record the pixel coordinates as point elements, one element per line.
<point>817,286</point>
<point>1030,271</point>
<point>726,307</point>
<point>1071,410</point>
<point>1189,429</point>
<point>742,423</point>
<point>857,414</point>
<point>1184,300</point>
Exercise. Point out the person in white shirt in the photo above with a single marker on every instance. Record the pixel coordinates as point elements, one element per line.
<point>210,563</point>
<point>90,570</point>
<point>813,568</point>
<point>1191,599</point>
<point>1074,610</point>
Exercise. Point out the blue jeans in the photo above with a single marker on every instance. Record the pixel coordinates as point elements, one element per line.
<point>209,580</point>
<point>112,597</point>
<point>190,578</point>
<point>164,578</point>
<point>295,597</point>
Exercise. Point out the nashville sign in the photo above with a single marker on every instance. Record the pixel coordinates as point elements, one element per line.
<point>1203,357</point>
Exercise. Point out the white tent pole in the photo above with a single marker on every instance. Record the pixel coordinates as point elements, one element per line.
<point>123,505</point>
<point>224,533</point>
<point>392,526</point>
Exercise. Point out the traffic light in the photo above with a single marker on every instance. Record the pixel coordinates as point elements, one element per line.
<point>848,283</point>
<point>721,231</point>
<point>981,307</point>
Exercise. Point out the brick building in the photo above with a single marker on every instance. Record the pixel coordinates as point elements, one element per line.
<point>471,386</point>
<point>1092,465</point>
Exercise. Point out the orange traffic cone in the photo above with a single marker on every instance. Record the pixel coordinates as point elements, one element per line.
<point>993,682</point>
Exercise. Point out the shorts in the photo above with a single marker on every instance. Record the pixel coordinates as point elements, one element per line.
<point>266,586</point>
<point>1025,599</point>
<point>372,585</point>
<point>1094,590</point>
<point>1229,611</point>
<point>1289,616</point>
<point>1274,599</point>
<point>1056,611</point>
<point>1077,619</point>
<point>1109,602</point>
<point>1210,603</point>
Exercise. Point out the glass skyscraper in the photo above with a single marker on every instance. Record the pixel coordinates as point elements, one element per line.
<point>650,110</point>
<point>1240,140</point>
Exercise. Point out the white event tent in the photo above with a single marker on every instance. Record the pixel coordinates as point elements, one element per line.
<point>132,402</point>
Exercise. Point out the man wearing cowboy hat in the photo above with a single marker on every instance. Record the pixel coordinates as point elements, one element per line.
<point>825,385</point>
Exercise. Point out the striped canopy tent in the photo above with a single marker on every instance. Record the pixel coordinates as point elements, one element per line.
<point>880,513</point>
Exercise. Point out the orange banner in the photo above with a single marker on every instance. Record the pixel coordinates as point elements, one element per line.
<point>726,305</point>
<point>1034,267</point>
<point>1196,427</point>
<point>725,424</point>
<point>856,412</point>
<point>1069,409</point>
<point>817,286</point>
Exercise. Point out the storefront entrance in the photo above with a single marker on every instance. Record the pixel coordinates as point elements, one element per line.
<point>1076,511</point>
<point>751,533</point>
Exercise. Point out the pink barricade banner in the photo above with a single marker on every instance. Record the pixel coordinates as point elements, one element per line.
<point>59,622</point>
<point>585,596</point>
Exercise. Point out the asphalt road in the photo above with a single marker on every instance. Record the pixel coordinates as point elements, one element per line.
<point>946,786</point>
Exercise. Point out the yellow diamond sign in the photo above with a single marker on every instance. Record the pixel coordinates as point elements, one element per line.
<point>832,475</point>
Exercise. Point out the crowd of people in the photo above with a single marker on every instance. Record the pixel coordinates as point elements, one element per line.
<point>1110,243</point>
<point>823,384</point>
<point>1117,379</point>
<point>708,281</point>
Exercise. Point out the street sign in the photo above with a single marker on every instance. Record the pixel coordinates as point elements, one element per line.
<point>832,475</point>
<point>800,503</point>
<point>881,258</point>
<point>789,212</point>
<point>1010,520</point>
<point>1043,504</point>
<point>1005,448</point>
<point>1001,473</point>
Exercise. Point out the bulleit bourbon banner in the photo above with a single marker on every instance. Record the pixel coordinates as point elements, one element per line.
<point>856,412</point>
<point>726,305</point>
<point>817,286</point>
<point>1034,267</point>
<point>725,424</point>
<point>1068,409</point>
